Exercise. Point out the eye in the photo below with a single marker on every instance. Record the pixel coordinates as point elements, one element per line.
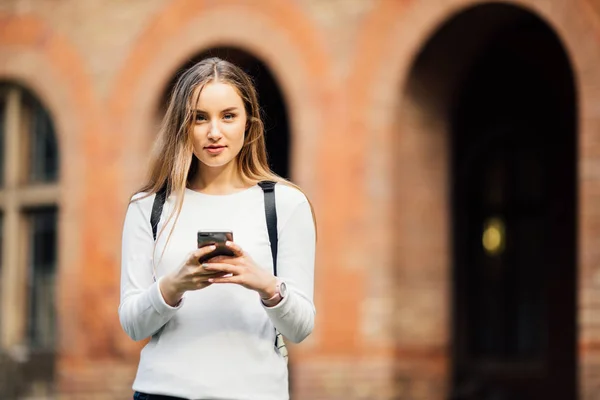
<point>229,116</point>
<point>200,117</point>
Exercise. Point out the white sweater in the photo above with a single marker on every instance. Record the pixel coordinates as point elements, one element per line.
<point>218,343</point>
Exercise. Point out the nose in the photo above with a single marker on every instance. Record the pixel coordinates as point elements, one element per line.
<point>214,132</point>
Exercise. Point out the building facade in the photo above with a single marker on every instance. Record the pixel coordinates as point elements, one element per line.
<point>451,149</point>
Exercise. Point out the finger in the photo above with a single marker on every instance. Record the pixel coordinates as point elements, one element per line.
<point>203,279</point>
<point>219,259</point>
<point>229,279</point>
<point>196,254</point>
<point>221,267</point>
<point>202,275</point>
<point>231,260</point>
<point>237,250</point>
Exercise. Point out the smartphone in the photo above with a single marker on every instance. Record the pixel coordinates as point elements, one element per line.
<point>217,238</point>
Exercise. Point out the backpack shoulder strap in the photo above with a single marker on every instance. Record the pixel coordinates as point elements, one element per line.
<point>268,188</point>
<point>157,208</point>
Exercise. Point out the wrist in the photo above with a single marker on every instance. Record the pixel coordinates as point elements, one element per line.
<point>278,296</point>
<point>270,290</point>
<point>170,293</point>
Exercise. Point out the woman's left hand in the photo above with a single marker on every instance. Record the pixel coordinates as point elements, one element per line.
<point>244,272</point>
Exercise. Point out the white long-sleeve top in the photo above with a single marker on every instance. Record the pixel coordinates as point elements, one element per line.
<point>218,343</point>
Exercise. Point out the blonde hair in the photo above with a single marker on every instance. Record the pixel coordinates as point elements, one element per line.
<point>173,163</point>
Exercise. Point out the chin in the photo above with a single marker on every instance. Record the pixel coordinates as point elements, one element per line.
<point>215,162</point>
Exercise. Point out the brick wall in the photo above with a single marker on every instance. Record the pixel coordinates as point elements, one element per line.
<point>382,325</point>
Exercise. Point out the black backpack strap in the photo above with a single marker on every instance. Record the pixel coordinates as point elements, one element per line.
<point>268,188</point>
<point>157,208</point>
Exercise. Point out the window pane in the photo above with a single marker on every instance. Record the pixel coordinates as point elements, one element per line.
<point>1,269</point>
<point>43,148</point>
<point>2,126</point>
<point>42,275</point>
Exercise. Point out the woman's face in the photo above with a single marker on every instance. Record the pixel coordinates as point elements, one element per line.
<point>220,125</point>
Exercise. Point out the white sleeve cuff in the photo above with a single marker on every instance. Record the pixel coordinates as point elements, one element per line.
<point>159,303</point>
<point>281,308</point>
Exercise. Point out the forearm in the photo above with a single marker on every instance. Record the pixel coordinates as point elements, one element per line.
<point>143,310</point>
<point>171,294</point>
<point>143,313</point>
<point>294,316</point>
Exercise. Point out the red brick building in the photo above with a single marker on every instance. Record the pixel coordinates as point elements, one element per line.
<point>451,149</point>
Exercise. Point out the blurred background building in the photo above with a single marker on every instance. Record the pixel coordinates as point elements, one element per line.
<point>451,149</point>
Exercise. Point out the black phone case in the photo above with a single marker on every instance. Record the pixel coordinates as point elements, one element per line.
<point>218,239</point>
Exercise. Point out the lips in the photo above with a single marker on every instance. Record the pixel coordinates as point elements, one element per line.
<point>215,149</point>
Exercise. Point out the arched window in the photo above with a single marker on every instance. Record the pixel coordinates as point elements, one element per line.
<point>29,174</point>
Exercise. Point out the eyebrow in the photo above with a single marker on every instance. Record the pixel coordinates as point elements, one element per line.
<point>229,109</point>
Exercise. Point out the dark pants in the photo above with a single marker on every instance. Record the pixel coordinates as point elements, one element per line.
<point>144,396</point>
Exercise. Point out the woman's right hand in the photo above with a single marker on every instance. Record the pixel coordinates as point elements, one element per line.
<point>190,276</point>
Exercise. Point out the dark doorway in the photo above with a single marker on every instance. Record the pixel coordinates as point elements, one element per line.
<point>514,208</point>
<point>274,112</point>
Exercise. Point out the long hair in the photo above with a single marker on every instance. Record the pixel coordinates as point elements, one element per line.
<point>173,164</point>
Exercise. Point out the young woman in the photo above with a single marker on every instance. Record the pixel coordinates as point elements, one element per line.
<point>212,325</point>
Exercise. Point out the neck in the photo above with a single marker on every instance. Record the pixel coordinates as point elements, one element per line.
<point>218,180</point>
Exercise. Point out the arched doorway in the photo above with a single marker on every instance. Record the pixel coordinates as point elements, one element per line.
<point>497,81</point>
<point>271,101</point>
